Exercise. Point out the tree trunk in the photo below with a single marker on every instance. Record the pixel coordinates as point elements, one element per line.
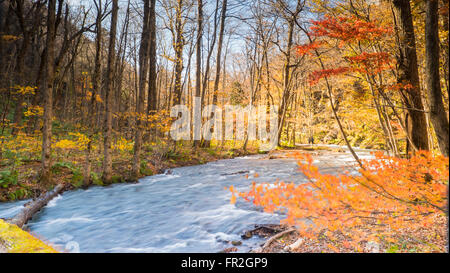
<point>438,115</point>
<point>107,161</point>
<point>47,91</point>
<point>178,47</point>
<point>223,15</point>
<point>152,92</point>
<point>219,51</point>
<point>143,70</point>
<point>408,74</point>
<point>198,73</point>
<point>287,70</point>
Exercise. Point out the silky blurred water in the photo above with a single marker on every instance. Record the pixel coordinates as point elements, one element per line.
<point>187,210</point>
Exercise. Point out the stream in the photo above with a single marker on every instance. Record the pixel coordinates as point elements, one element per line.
<point>186,210</point>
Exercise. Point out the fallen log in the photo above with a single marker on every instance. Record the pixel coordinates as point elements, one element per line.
<point>34,206</point>
<point>273,239</point>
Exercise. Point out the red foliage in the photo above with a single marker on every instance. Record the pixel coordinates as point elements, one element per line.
<point>348,29</point>
<point>316,76</point>
<point>370,63</point>
<point>307,48</point>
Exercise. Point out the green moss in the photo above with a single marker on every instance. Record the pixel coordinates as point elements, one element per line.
<point>115,179</point>
<point>8,178</point>
<point>145,170</point>
<point>77,179</point>
<point>96,179</point>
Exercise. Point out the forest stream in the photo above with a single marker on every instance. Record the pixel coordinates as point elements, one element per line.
<point>184,210</point>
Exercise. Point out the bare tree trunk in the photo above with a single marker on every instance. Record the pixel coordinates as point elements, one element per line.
<point>198,72</point>
<point>219,50</point>
<point>178,47</point>
<point>95,90</point>
<point>47,91</point>
<point>218,59</point>
<point>208,59</point>
<point>107,161</point>
<point>438,115</point>
<point>287,70</point>
<point>152,90</point>
<point>143,70</point>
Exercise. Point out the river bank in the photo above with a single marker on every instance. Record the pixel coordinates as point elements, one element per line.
<point>24,182</point>
<point>186,209</point>
<point>15,240</point>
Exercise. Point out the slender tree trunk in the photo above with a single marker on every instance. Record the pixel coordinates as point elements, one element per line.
<point>107,161</point>
<point>95,91</point>
<point>219,51</point>
<point>218,60</point>
<point>152,89</point>
<point>143,70</point>
<point>47,91</point>
<point>287,70</point>
<point>198,72</point>
<point>438,115</point>
<point>208,59</point>
<point>178,47</point>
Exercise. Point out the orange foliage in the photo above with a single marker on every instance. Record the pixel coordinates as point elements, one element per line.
<point>371,63</point>
<point>389,194</point>
<point>348,29</point>
<point>307,48</point>
<point>316,76</point>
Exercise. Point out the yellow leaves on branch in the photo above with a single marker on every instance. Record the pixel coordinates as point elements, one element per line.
<point>9,38</point>
<point>25,90</point>
<point>123,145</point>
<point>395,193</point>
<point>34,111</point>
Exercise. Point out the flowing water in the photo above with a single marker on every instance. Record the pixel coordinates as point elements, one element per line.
<point>186,210</point>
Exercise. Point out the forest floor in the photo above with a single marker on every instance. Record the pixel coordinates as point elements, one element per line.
<point>15,240</point>
<point>431,239</point>
<point>425,239</point>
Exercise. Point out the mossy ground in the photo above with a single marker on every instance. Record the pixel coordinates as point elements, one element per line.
<point>68,168</point>
<point>15,240</point>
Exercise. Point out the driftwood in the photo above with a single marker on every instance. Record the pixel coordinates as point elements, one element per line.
<point>273,239</point>
<point>31,208</point>
<point>294,246</point>
<point>265,231</point>
<point>276,236</point>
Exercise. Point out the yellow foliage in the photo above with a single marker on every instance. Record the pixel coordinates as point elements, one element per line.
<point>9,38</point>
<point>23,144</point>
<point>66,144</point>
<point>25,90</point>
<point>123,145</point>
<point>80,143</point>
<point>34,111</point>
